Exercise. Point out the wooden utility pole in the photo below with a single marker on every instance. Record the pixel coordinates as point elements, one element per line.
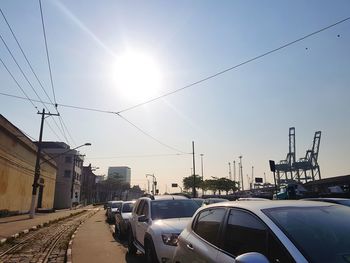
<point>37,164</point>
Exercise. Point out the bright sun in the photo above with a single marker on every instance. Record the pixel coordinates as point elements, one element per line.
<point>137,76</point>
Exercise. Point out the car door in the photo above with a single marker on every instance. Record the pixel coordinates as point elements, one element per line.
<point>200,245</point>
<point>243,233</point>
<point>135,214</point>
<point>141,227</point>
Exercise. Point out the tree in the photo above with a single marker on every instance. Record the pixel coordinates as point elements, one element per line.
<point>188,182</point>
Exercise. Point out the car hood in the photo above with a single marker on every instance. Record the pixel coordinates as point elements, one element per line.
<point>173,225</point>
<point>114,210</point>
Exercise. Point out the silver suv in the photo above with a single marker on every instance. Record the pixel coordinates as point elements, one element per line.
<point>155,224</point>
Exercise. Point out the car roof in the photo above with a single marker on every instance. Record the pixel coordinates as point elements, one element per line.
<point>326,198</point>
<point>113,202</point>
<point>129,202</point>
<point>166,197</point>
<point>256,206</point>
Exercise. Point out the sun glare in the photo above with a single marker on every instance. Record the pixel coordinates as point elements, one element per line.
<point>137,76</point>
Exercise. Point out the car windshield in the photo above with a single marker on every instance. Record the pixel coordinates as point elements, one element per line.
<point>320,233</point>
<point>344,202</point>
<point>116,205</point>
<point>127,207</point>
<point>164,209</point>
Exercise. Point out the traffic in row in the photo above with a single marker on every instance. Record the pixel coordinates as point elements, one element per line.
<point>173,228</point>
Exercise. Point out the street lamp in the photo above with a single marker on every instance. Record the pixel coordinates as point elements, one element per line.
<point>58,155</point>
<point>154,183</point>
<point>37,176</point>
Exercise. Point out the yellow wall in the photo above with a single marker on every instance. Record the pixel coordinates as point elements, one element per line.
<point>17,162</point>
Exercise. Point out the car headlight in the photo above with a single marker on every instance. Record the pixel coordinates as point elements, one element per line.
<point>170,239</point>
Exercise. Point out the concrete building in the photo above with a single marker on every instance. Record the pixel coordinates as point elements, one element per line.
<point>88,185</point>
<point>17,165</point>
<point>69,170</point>
<point>120,173</point>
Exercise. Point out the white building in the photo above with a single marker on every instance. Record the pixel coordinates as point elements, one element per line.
<point>122,173</point>
<point>69,169</point>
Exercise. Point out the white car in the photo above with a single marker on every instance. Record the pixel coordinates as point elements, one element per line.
<point>268,231</point>
<point>156,223</point>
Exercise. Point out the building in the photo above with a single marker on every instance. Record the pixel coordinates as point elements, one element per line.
<point>120,173</point>
<point>88,185</point>
<point>69,170</point>
<point>17,165</point>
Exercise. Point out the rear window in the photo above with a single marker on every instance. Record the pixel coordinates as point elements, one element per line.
<point>116,205</point>
<point>127,208</point>
<point>164,209</point>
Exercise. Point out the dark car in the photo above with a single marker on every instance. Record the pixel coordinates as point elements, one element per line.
<point>114,207</point>
<point>122,218</point>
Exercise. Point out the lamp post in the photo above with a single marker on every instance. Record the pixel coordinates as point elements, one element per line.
<point>154,183</point>
<point>37,173</point>
<point>202,172</point>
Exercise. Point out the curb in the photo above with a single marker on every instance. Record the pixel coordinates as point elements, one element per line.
<point>33,228</point>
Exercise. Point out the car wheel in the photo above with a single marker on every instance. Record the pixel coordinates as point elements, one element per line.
<point>150,252</point>
<point>131,247</point>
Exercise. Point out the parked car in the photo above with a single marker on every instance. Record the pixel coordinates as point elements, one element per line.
<point>210,201</point>
<point>268,231</point>
<point>112,209</point>
<point>107,205</point>
<point>199,201</point>
<point>252,199</point>
<point>122,219</point>
<point>339,201</point>
<point>156,223</point>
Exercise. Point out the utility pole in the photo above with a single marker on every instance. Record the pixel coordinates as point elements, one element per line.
<point>194,172</point>
<point>241,171</point>
<point>234,171</point>
<point>252,177</point>
<point>202,171</point>
<point>229,171</point>
<point>264,178</point>
<point>37,164</point>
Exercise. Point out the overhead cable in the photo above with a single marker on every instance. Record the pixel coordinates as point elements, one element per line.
<point>236,66</point>
<point>150,136</point>
<point>47,53</point>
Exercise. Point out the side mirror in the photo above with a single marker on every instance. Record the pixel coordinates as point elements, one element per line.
<point>142,219</point>
<point>251,257</point>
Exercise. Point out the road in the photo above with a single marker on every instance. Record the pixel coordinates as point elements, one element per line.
<point>95,242</point>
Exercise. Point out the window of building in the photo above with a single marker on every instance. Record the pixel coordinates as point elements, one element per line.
<point>68,159</point>
<point>67,173</point>
<point>208,224</point>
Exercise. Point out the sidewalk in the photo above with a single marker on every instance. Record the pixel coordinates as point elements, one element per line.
<point>94,242</point>
<point>14,225</point>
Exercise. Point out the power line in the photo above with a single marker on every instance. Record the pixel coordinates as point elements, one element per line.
<point>137,156</point>
<point>47,52</point>
<point>24,55</point>
<point>150,136</point>
<point>103,111</point>
<point>236,66</point>
<point>18,85</point>
<point>28,81</point>
<point>59,104</point>
<point>63,126</point>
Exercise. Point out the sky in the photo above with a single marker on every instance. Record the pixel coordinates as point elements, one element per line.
<point>113,55</point>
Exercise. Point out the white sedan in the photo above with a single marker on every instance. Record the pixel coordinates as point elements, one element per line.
<point>269,231</point>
